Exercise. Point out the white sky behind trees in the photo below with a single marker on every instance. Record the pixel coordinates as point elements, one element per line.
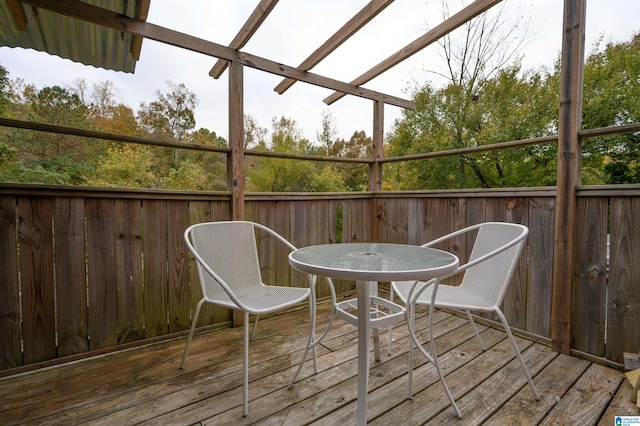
<point>293,30</point>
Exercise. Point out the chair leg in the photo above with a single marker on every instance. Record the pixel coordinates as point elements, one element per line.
<point>245,378</point>
<point>191,330</point>
<point>255,326</point>
<point>390,333</point>
<point>411,304</point>
<point>518,354</point>
<point>411,323</point>
<point>311,343</point>
<point>473,324</point>
<point>435,358</point>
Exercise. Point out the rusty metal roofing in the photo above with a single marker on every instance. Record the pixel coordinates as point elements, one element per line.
<point>25,26</point>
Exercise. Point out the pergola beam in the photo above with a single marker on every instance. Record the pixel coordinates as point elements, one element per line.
<point>84,11</point>
<point>460,18</point>
<point>247,31</point>
<point>370,11</point>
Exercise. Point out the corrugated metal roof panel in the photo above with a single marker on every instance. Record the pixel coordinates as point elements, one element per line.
<point>73,39</point>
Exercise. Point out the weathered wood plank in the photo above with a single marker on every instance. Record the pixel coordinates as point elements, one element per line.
<point>366,14</point>
<point>199,212</point>
<point>552,382</point>
<point>620,405</point>
<point>590,277</point>
<point>623,333</point>
<point>235,159</point>
<point>129,278</point>
<point>71,277</point>
<point>101,273</point>
<point>540,265</point>
<point>148,30</point>
<point>477,405</point>
<point>516,210</point>
<point>389,390</point>
<point>431,400</point>
<point>214,372</point>
<point>154,242</point>
<point>179,295</point>
<point>37,278</point>
<point>314,399</point>
<point>587,400</point>
<point>10,346</point>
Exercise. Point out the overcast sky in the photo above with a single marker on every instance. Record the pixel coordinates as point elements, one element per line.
<point>293,30</point>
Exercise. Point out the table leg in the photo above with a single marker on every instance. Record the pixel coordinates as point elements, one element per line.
<point>373,291</point>
<point>362,288</point>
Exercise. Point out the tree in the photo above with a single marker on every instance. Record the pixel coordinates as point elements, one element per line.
<point>62,158</point>
<point>171,115</point>
<point>511,105</point>
<point>473,107</point>
<point>353,176</point>
<point>282,175</point>
<point>103,100</point>
<point>126,166</point>
<point>611,94</point>
<point>254,135</point>
<point>327,136</point>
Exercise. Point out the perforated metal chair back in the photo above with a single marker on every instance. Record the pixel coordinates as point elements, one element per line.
<point>227,257</point>
<point>487,280</point>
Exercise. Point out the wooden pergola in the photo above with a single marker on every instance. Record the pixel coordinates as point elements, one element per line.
<point>232,58</point>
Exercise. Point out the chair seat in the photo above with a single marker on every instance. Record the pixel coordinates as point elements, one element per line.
<point>448,296</point>
<point>270,297</point>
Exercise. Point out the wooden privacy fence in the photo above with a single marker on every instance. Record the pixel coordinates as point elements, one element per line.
<point>85,271</point>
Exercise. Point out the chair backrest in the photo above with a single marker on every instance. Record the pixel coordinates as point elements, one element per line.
<point>490,277</point>
<point>227,257</point>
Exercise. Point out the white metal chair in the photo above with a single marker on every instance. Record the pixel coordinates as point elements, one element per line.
<point>487,275</point>
<point>228,266</point>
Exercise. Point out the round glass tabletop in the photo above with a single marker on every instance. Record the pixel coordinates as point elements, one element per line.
<point>373,261</point>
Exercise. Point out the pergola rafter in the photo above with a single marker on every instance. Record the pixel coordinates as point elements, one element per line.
<point>247,31</point>
<point>366,14</point>
<point>460,18</point>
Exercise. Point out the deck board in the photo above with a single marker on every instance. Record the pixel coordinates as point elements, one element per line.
<point>146,386</point>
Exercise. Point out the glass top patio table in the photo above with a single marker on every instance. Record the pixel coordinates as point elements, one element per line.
<point>373,261</point>
<point>366,263</point>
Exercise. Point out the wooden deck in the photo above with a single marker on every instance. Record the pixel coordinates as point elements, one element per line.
<point>145,385</point>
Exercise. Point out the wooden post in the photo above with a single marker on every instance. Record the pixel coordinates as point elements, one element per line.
<point>235,159</point>
<point>375,169</point>
<point>569,170</point>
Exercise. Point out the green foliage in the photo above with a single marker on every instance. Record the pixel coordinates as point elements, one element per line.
<point>171,115</point>
<point>480,106</point>
<point>511,105</point>
<point>611,95</point>
<point>282,175</point>
<point>127,166</point>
